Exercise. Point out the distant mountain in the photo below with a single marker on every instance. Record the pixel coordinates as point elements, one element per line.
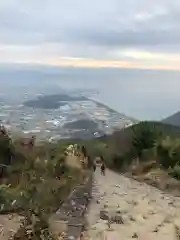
<point>173,119</point>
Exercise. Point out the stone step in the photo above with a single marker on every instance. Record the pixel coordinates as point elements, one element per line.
<point>73,210</point>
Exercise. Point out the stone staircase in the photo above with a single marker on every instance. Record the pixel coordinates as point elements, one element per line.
<point>70,217</point>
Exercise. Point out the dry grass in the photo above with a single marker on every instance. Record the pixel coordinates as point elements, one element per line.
<point>73,162</point>
<point>158,178</point>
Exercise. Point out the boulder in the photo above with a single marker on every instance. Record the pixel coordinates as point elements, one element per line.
<point>104,215</point>
<point>116,217</point>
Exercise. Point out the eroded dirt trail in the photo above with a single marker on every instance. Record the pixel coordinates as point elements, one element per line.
<point>123,208</point>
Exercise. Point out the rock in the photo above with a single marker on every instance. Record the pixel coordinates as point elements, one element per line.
<point>106,205</point>
<point>104,215</point>
<point>118,211</point>
<point>171,203</point>
<point>71,238</point>
<point>117,219</point>
<point>168,219</point>
<point>134,203</point>
<point>93,228</point>
<point>74,208</point>
<point>152,212</point>
<point>156,229</point>
<point>139,218</point>
<point>135,235</point>
<point>132,218</point>
<point>73,202</point>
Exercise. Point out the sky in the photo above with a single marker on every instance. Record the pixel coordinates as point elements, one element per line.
<point>139,34</point>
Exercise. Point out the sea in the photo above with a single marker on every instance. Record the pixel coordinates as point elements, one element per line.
<point>141,94</point>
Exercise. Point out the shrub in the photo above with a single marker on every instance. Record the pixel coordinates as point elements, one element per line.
<point>38,181</point>
<point>144,137</point>
<point>168,152</point>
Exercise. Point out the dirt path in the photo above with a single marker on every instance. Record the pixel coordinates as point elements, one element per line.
<point>135,210</point>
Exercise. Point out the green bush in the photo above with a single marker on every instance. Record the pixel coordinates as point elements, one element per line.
<point>11,199</point>
<point>168,152</point>
<point>144,137</point>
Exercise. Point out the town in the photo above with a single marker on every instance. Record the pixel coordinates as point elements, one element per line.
<point>82,118</point>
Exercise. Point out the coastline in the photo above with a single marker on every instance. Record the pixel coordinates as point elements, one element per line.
<point>98,102</point>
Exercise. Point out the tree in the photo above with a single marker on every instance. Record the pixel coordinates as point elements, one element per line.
<point>6,149</point>
<point>144,136</point>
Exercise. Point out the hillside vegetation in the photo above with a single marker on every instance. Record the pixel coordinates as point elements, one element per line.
<point>34,180</point>
<point>142,143</point>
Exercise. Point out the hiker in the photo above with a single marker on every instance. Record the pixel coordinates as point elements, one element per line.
<point>84,152</point>
<point>103,169</point>
<point>94,166</point>
<point>102,166</point>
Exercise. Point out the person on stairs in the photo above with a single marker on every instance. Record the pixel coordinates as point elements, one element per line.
<point>103,168</point>
<point>94,166</point>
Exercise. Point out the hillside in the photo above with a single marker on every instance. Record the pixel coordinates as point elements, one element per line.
<point>122,139</point>
<point>154,146</point>
<point>173,119</point>
<point>121,145</point>
<point>163,128</point>
<point>50,173</point>
<point>34,181</point>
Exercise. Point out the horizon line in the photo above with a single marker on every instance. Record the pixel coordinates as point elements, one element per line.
<point>92,64</point>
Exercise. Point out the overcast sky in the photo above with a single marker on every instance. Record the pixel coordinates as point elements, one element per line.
<point>131,33</point>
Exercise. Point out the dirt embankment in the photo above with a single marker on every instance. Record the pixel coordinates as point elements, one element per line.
<point>155,176</point>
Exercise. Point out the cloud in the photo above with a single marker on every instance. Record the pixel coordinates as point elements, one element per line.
<point>133,32</point>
